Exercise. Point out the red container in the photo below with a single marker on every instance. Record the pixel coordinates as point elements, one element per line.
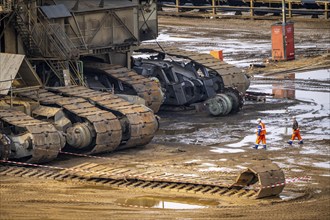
<point>282,41</point>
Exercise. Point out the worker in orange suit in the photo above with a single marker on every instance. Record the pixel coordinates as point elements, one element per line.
<point>295,132</point>
<point>261,134</point>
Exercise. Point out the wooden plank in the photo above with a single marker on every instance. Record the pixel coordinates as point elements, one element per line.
<point>9,66</point>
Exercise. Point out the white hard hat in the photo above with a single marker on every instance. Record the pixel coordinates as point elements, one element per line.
<point>293,117</point>
<point>259,119</point>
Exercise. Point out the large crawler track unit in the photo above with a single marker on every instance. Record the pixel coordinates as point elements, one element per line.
<point>92,127</point>
<point>123,79</point>
<point>198,78</point>
<point>107,124</point>
<point>231,75</point>
<point>35,140</point>
<point>267,180</point>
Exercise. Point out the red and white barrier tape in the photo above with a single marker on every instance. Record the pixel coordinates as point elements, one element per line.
<point>84,155</point>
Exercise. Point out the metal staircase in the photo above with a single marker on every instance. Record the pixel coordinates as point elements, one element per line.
<point>30,42</point>
<point>47,41</point>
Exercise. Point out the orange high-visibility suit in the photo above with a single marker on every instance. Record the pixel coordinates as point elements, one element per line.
<point>261,134</point>
<point>295,133</point>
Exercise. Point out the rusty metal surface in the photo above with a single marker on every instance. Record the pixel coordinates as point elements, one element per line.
<point>120,177</point>
<point>95,170</point>
<point>147,89</point>
<point>231,75</point>
<point>161,179</point>
<point>268,175</point>
<point>106,125</point>
<point>46,139</point>
<point>142,121</point>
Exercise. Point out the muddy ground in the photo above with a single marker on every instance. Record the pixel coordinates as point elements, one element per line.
<point>197,143</point>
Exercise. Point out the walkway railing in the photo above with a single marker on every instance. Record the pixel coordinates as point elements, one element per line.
<point>216,6</point>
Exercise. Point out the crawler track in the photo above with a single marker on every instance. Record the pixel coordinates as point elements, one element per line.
<point>45,139</point>
<point>106,125</point>
<point>124,178</point>
<point>142,121</point>
<point>231,75</point>
<point>144,87</point>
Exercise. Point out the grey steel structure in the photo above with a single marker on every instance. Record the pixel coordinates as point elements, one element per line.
<point>46,43</point>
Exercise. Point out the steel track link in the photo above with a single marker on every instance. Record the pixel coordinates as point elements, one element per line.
<point>147,89</point>
<point>46,140</point>
<point>118,178</point>
<point>142,121</point>
<point>106,125</point>
<point>231,75</point>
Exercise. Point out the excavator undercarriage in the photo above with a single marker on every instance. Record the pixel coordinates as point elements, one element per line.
<point>68,79</point>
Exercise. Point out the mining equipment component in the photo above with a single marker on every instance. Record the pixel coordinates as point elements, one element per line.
<point>263,179</point>
<point>56,38</point>
<point>269,176</point>
<point>195,78</point>
<point>89,43</point>
<point>33,140</point>
<point>66,118</point>
<point>121,80</point>
<point>83,51</point>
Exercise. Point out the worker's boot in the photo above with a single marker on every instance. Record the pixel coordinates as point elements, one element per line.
<point>255,146</point>
<point>290,142</point>
<point>265,147</point>
<point>301,142</point>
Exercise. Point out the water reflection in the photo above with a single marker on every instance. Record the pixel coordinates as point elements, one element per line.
<point>167,203</point>
<point>285,89</point>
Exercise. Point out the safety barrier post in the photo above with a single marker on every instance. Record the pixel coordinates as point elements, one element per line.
<point>214,10</point>
<point>290,9</point>
<point>177,5</point>
<point>251,8</point>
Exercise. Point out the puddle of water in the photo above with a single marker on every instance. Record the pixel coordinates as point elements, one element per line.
<point>279,111</point>
<point>167,203</point>
<point>317,74</point>
<point>226,150</point>
<point>325,165</point>
<point>312,115</point>
<point>246,141</point>
<point>286,196</point>
<point>311,151</point>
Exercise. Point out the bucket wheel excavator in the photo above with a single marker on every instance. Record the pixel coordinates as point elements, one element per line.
<point>51,55</point>
<point>68,82</point>
<point>72,83</point>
